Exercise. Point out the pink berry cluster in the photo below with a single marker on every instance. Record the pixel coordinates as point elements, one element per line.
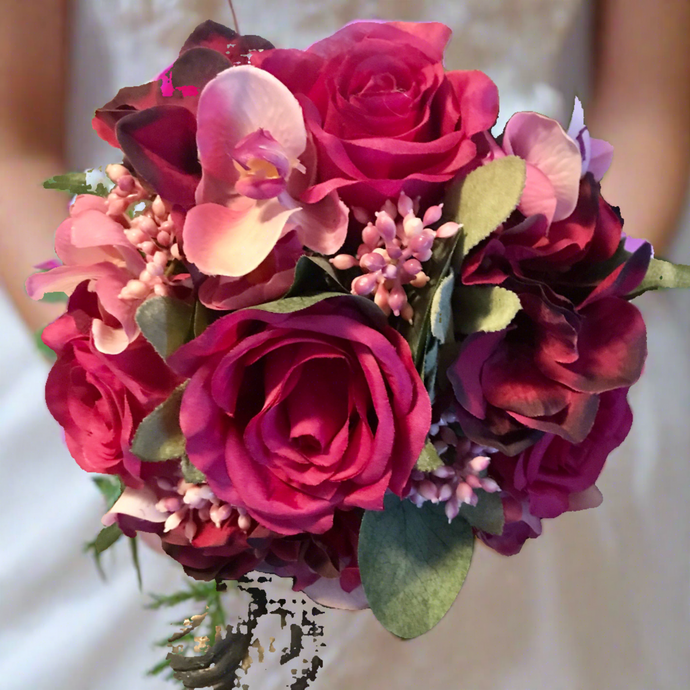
<point>454,483</point>
<point>392,252</point>
<point>152,232</point>
<point>193,504</point>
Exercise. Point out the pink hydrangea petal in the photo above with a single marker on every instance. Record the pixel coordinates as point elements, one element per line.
<point>227,114</point>
<point>543,143</point>
<point>233,240</point>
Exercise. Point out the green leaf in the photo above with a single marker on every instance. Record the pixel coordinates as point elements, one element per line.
<point>134,548</point>
<point>431,362</point>
<point>413,564</point>
<point>111,487</point>
<point>159,436</point>
<point>441,314</point>
<point>75,183</point>
<point>487,515</point>
<point>201,319</point>
<point>486,308</point>
<point>54,298</point>
<point>315,274</point>
<point>42,347</point>
<point>166,323</point>
<point>190,473</point>
<point>103,541</point>
<point>428,460</point>
<point>663,275</point>
<point>485,199</point>
<point>437,268</point>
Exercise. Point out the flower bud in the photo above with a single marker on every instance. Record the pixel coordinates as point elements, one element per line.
<point>397,299</point>
<point>364,285</point>
<point>447,230</point>
<point>433,215</point>
<point>405,204</point>
<point>372,262</point>
<point>343,262</point>
<point>386,226</point>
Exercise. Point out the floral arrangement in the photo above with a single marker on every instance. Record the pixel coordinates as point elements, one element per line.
<point>323,324</point>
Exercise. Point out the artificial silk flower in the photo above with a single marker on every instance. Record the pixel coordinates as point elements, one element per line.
<point>597,154</point>
<point>250,137</point>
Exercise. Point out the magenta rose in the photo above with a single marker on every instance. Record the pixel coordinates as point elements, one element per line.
<point>547,371</point>
<point>384,115</point>
<point>294,415</point>
<point>98,399</point>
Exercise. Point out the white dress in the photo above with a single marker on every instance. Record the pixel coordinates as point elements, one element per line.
<point>600,601</point>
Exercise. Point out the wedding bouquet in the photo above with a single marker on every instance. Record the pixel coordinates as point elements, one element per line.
<point>323,324</point>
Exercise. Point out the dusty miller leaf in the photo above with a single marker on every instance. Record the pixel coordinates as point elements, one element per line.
<point>159,437</point>
<point>485,199</point>
<point>428,460</point>
<point>413,564</point>
<point>487,515</point>
<point>442,310</point>
<point>166,323</point>
<point>486,308</point>
<point>190,473</point>
<point>663,275</point>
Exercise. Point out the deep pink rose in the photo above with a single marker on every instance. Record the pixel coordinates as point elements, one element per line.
<point>294,415</point>
<point>383,114</point>
<point>554,476</point>
<point>546,372</point>
<point>100,399</point>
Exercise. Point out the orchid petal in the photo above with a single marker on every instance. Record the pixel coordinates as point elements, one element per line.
<point>138,503</point>
<point>543,143</point>
<point>539,196</point>
<point>238,102</point>
<point>233,240</point>
<point>108,339</point>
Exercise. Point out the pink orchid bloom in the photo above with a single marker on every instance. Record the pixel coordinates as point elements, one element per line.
<point>597,154</point>
<point>250,137</point>
<point>93,246</point>
<point>554,165</point>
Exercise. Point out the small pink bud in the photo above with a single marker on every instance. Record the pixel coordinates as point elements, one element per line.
<point>390,208</point>
<point>397,299</point>
<point>148,247</point>
<point>154,270</point>
<point>174,520</point>
<point>479,463</point>
<point>161,290</point>
<point>158,208</point>
<point>412,226</point>
<point>412,267</point>
<point>146,224</point>
<point>361,215</point>
<point>405,204</point>
<point>417,475</point>
<point>433,214</point>
<point>390,271</point>
<point>428,490</point>
<point>447,230</point>
<point>125,183</point>
<point>386,226</point>
<point>474,481</point>
<point>170,504</point>
<point>135,236</point>
<point>163,238</point>
<point>190,529</point>
<point>407,313</point>
<point>490,486</point>
<point>115,171</point>
<point>445,492</point>
<point>372,262</point>
<point>160,259</point>
<point>423,241</point>
<point>165,484</point>
<point>423,255</point>
<point>343,262</point>
<point>464,493</point>
<point>364,285</point>
<point>452,509</point>
<point>394,251</point>
<point>135,289</point>
<point>440,446</point>
<point>167,226</point>
<point>381,299</point>
<point>244,522</point>
<point>116,207</point>
<point>444,472</point>
<point>421,279</point>
<point>175,251</point>
<point>370,236</point>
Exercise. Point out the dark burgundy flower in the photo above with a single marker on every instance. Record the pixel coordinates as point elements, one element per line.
<point>546,372</point>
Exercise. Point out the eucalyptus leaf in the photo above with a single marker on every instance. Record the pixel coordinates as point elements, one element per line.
<point>437,268</point>
<point>159,437</point>
<point>485,198</point>
<point>487,515</point>
<point>190,473</point>
<point>413,564</point>
<point>428,460</point>
<point>75,183</point>
<point>166,323</point>
<point>441,314</point>
<point>315,274</point>
<point>486,308</point>
<point>663,275</point>
<point>111,487</point>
